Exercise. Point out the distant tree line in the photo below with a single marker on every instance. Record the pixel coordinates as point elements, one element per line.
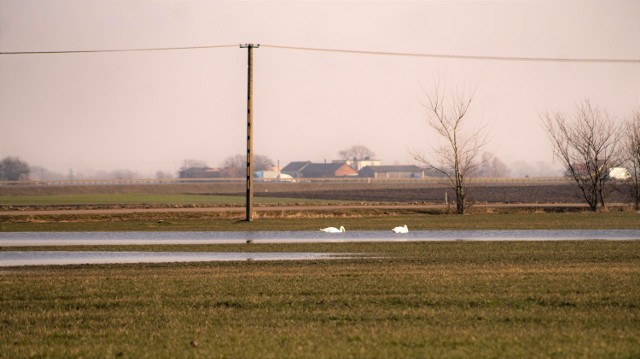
<point>14,169</point>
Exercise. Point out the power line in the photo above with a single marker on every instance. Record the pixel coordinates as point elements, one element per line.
<point>115,50</point>
<point>463,57</point>
<point>347,51</point>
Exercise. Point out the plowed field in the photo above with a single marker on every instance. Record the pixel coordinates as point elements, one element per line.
<point>481,194</point>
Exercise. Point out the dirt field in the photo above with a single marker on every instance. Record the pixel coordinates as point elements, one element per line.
<point>562,194</point>
<point>417,192</point>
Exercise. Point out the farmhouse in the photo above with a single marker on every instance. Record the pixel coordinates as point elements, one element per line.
<point>402,171</point>
<point>318,170</point>
<point>359,164</point>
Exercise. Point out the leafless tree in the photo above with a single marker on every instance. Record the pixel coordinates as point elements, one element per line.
<point>587,146</point>
<point>459,156</point>
<point>236,166</point>
<point>164,175</point>
<point>632,156</point>
<point>123,175</point>
<point>357,152</point>
<point>492,167</point>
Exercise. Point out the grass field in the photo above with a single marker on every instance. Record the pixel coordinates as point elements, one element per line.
<point>370,219</point>
<point>441,300</point>
<point>290,219</point>
<point>94,199</point>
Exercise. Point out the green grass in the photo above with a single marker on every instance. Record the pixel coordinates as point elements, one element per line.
<point>313,220</point>
<point>441,300</point>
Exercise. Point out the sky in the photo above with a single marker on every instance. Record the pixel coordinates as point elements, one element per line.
<point>149,111</point>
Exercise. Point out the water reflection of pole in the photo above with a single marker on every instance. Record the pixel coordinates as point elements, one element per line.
<point>249,205</point>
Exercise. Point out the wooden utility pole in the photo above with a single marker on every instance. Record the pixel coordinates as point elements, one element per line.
<point>249,205</point>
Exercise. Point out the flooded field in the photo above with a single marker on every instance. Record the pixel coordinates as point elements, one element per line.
<point>29,258</point>
<point>13,239</point>
<point>35,239</point>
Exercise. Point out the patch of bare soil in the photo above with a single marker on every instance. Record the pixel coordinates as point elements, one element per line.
<point>533,194</point>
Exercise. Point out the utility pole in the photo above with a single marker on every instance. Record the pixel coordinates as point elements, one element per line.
<point>249,205</point>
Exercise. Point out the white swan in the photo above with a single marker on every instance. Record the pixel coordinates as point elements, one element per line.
<point>333,229</point>
<point>402,229</point>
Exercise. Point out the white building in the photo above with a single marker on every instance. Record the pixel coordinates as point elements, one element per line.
<point>359,164</point>
<point>619,173</point>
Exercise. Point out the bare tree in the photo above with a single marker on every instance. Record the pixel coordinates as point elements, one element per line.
<point>458,158</point>
<point>357,152</point>
<point>164,175</point>
<point>632,156</point>
<point>236,166</point>
<point>123,175</point>
<point>492,167</point>
<point>587,146</point>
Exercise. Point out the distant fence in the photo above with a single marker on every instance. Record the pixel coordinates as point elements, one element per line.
<point>177,181</point>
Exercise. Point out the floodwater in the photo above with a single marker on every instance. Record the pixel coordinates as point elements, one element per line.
<point>13,239</point>
<point>33,239</point>
<point>29,258</point>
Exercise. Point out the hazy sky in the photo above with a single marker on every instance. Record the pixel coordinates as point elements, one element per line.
<point>149,111</point>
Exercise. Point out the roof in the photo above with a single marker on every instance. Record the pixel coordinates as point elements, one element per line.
<point>324,167</point>
<point>309,169</point>
<point>295,166</point>
<point>399,168</point>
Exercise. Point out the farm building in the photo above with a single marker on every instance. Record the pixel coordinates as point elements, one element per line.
<point>272,176</point>
<point>318,170</point>
<point>359,164</point>
<point>619,173</point>
<point>199,172</point>
<point>403,171</point>
<point>294,169</point>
